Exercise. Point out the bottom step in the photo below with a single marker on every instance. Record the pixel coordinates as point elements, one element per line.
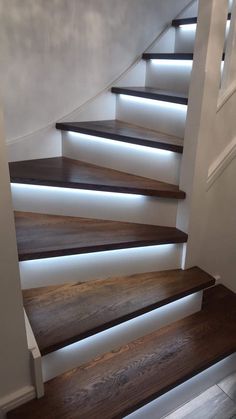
<point>121,381</point>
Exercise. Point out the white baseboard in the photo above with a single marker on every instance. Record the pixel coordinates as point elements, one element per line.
<point>16,399</point>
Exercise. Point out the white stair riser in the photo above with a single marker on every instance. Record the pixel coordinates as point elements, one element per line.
<point>166,117</point>
<point>81,352</point>
<point>169,75</point>
<point>87,267</point>
<point>185,39</point>
<point>93,204</point>
<point>141,161</point>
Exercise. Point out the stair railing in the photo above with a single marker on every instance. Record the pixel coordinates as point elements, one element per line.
<point>205,89</point>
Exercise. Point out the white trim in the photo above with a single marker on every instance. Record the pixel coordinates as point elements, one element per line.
<point>16,399</point>
<point>226,95</point>
<point>36,358</point>
<point>221,163</point>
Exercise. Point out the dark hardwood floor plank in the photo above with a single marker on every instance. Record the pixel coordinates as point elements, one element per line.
<point>43,236</point>
<point>60,315</point>
<point>119,382</point>
<point>125,132</point>
<point>68,173</point>
<point>150,93</point>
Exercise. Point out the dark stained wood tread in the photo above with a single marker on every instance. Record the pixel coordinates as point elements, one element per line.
<point>189,21</point>
<point>168,56</point>
<point>154,94</point>
<point>171,56</point>
<point>68,173</point>
<point>125,132</point>
<point>61,315</point>
<point>121,381</point>
<point>184,21</point>
<point>43,236</point>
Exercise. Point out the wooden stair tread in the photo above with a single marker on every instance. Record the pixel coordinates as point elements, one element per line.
<point>68,173</point>
<point>125,132</point>
<point>121,381</point>
<point>151,93</point>
<point>61,315</point>
<point>42,236</point>
<point>168,56</point>
<point>184,21</point>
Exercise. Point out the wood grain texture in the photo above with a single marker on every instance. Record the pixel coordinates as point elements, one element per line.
<point>68,173</point>
<point>168,56</point>
<point>60,315</point>
<point>43,236</point>
<point>119,382</point>
<point>150,93</point>
<point>125,132</point>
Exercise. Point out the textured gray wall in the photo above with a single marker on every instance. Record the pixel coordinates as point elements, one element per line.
<point>56,54</point>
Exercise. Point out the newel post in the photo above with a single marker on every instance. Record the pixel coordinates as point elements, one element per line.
<point>199,133</point>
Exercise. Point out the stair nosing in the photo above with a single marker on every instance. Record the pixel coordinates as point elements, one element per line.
<point>178,195</point>
<point>100,248</point>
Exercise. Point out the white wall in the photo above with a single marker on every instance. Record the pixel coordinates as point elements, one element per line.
<point>14,355</point>
<point>218,254</point>
<point>57,54</point>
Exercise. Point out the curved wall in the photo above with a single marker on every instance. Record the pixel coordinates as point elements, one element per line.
<point>57,54</point>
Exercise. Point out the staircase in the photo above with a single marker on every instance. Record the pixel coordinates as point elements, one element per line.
<point>117,322</point>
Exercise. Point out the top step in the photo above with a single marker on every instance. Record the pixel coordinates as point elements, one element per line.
<point>121,381</point>
<point>188,21</point>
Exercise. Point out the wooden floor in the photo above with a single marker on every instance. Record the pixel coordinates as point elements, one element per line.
<point>212,404</point>
<point>218,402</point>
<point>60,315</point>
<point>42,236</point>
<point>68,173</point>
<point>119,382</point>
<point>125,132</point>
<point>150,93</point>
